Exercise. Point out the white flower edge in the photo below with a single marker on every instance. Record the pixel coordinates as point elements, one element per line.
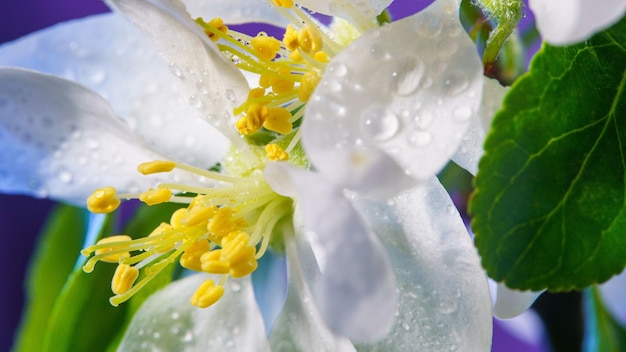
<point>150,101</point>
<point>422,75</point>
<point>564,22</point>
<point>61,140</point>
<point>168,322</point>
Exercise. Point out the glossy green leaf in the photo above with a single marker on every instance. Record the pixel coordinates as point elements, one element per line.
<point>549,211</point>
<point>602,332</point>
<point>53,261</point>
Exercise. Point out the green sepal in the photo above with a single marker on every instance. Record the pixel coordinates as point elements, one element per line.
<point>549,210</point>
<point>602,331</point>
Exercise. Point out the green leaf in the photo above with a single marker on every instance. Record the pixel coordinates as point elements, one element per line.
<point>602,332</point>
<point>549,210</point>
<point>53,261</point>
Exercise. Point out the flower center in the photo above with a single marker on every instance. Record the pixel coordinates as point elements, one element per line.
<point>226,228</point>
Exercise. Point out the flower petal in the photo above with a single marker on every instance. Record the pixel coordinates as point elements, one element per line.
<point>168,322</point>
<point>444,301</point>
<point>361,13</point>
<point>409,89</point>
<point>63,141</point>
<point>236,11</point>
<point>511,303</point>
<point>613,292</point>
<point>299,326</point>
<point>563,22</point>
<point>471,149</point>
<point>211,83</point>
<point>346,267</point>
<point>112,57</point>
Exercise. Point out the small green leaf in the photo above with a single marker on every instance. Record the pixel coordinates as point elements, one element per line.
<point>549,210</point>
<point>53,261</point>
<point>602,332</point>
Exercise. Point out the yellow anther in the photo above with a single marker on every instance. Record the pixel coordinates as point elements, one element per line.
<point>162,231</point>
<point>256,93</point>
<point>191,258</point>
<point>237,251</point>
<point>212,264</point>
<point>277,120</point>
<point>321,56</point>
<point>283,3</point>
<point>156,196</point>
<point>290,38</point>
<point>223,223</point>
<point>103,201</point>
<point>244,268</point>
<point>264,81</point>
<point>124,278</point>
<point>310,39</point>
<point>218,24</point>
<point>281,85</point>
<point>207,294</point>
<point>114,258</point>
<point>197,215</point>
<point>307,85</point>
<point>253,121</point>
<point>156,166</point>
<point>276,153</point>
<point>175,219</point>
<point>295,56</point>
<point>265,46</point>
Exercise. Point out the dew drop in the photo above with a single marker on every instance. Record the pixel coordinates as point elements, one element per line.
<point>451,209</point>
<point>462,113</point>
<point>201,87</point>
<point>230,94</point>
<point>65,177</point>
<point>379,52</point>
<point>333,86</point>
<point>235,286</point>
<point>175,69</point>
<point>447,306</point>
<point>195,102</point>
<point>422,121</point>
<point>420,139</point>
<point>380,125</point>
<point>93,144</point>
<point>175,315</point>
<point>187,337</point>
<point>156,335</point>
<point>455,84</point>
<point>337,69</point>
<point>407,75</point>
<point>430,26</point>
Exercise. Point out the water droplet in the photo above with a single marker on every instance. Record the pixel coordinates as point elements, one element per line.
<point>175,315</point>
<point>379,51</point>
<point>230,94</point>
<point>175,70</point>
<point>337,69</point>
<point>447,306</point>
<point>380,125</point>
<point>156,335</point>
<point>405,325</point>
<point>420,139</point>
<point>446,48</point>
<point>201,87</point>
<point>195,102</point>
<point>65,176</point>
<point>462,113</point>
<point>235,286</point>
<point>93,144</point>
<point>187,337</point>
<point>423,120</point>
<point>455,84</point>
<point>451,209</point>
<point>430,25</point>
<point>407,75</point>
<point>333,86</point>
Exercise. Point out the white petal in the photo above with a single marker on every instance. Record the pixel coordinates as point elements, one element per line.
<point>511,303</point>
<point>63,141</point>
<point>409,88</point>
<point>210,82</point>
<point>168,322</point>
<point>112,57</point>
<point>613,293</point>
<point>471,149</point>
<point>444,302</point>
<point>527,327</point>
<point>361,13</point>
<point>347,269</point>
<point>236,11</point>
<point>299,326</point>
<point>563,22</point>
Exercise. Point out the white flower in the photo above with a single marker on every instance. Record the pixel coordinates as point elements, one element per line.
<point>389,112</point>
<point>563,22</point>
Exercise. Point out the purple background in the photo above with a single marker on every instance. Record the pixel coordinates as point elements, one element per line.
<point>21,217</point>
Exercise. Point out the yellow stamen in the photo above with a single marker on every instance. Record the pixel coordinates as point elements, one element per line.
<point>290,38</point>
<point>223,223</point>
<point>265,46</point>
<point>191,259</point>
<point>321,56</point>
<point>278,120</point>
<point>163,234</point>
<point>114,258</point>
<point>155,196</point>
<point>176,218</point>
<point>212,264</point>
<point>124,278</point>
<point>218,24</point>
<point>103,201</point>
<point>156,166</point>
<point>207,294</point>
<point>310,39</point>
<point>307,85</point>
<point>275,152</point>
<point>283,3</point>
<point>253,121</point>
<point>197,215</point>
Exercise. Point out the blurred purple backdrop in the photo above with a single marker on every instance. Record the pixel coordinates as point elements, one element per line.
<point>22,217</point>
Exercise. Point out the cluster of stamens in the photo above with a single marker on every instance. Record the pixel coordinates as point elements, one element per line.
<point>224,229</point>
